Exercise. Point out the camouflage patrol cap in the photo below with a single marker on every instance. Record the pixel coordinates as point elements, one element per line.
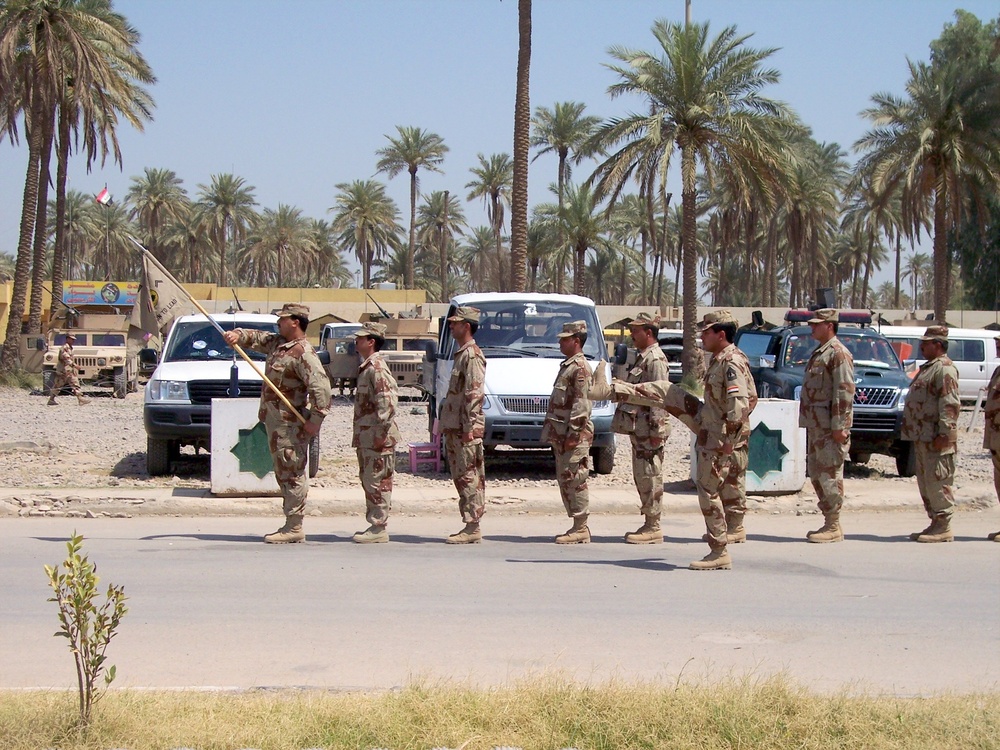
<point>71,335</point>
<point>825,315</point>
<point>644,319</point>
<point>717,318</point>
<point>291,309</point>
<point>573,329</point>
<point>935,333</point>
<point>465,315</point>
<point>375,330</point>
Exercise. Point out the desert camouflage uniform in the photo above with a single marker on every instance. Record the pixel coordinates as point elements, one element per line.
<point>376,436</point>
<point>730,397</point>
<point>570,432</point>
<point>932,408</point>
<point>296,371</point>
<point>461,414</point>
<point>827,404</point>
<point>648,428</point>
<point>66,373</point>
<point>991,433</point>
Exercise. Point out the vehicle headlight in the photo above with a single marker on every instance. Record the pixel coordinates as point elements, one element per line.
<point>797,393</point>
<point>168,390</point>
<point>117,360</point>
<point>486,403</point>
<point>902,398</point>
<point>102,362</point>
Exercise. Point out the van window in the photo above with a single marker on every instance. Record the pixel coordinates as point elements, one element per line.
<point>967,350</point>
<point>755,344</point>
<point>199,339</point>
<point>517,328</point>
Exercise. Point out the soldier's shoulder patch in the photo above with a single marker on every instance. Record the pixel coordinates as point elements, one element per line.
<point>731,373</point>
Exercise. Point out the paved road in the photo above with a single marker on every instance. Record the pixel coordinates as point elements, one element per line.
<point>210,606</point>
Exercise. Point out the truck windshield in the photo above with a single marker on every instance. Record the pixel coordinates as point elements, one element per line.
<point>871,352</point>
<point>529,329</point>
<point>199,340</point>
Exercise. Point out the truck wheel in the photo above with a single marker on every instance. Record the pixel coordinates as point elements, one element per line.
<point>48,382</point>
<point>906,460</point>
<point>314,456</point>
<point>157,457</point>
<point>121,382</point>
<point>604,459</point>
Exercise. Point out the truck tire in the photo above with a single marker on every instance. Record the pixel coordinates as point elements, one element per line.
<point>48,382</point>
<point>604,459</point>
<point>906,460</point>
<point>314,456</point>
<point>157,457</point>
<point>121,382</point>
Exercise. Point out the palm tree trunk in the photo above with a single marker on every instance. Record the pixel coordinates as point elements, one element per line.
<point>899,253</point>
<point>522,125</point>
<point>691,357</point>
<point>59,255</point>
<point>443,250</point>
<point>413,228</point>
<point>579,259</point>
<point>9,354</point>
<point>940,254</point>
<point>41,231</point>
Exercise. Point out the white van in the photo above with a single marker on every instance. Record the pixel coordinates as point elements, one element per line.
<point>973,350</point>
<point>517,334</point>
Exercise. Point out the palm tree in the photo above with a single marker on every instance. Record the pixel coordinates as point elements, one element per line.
<point>522,128</point>
<point>413,149</point>
<point>494,177</point>
<point>330,267</point>
<point>439,220</point>
<point>585,228</point>
<point>703,98</point>
<point>366,221</point>
<point>476,255</point>
<point>916,269</point>
<point>188,236</point>
<point>227,212</point>
<point>937,148</point>
<point>282,247</point>
<point>69,57</point>
<point>157,200</point>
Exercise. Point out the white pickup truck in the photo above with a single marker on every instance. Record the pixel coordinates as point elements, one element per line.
<point>517,334</point>
<point>197,366</point>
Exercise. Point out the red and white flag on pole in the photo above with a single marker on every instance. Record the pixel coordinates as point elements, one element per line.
<point>103,197</point>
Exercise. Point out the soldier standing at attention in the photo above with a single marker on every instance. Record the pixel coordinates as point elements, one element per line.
<point>66,373</point>
<point>648,428</point>
<point>930,420</point>
<point>826,410</point>
<point>375,431</point>
<point>570,432</point>
<point>462,424</point>
<point>295,370</point>
<point>991,433</point>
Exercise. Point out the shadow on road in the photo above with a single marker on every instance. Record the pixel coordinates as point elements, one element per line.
<point>645,564</point>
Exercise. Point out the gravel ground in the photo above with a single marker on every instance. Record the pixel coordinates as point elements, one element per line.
<point>102,444</point>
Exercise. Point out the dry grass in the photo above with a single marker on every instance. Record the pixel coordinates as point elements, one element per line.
<point>540,714</point>
<point>18,378</point>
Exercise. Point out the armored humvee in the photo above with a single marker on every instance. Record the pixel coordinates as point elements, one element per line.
<point>104,353</point>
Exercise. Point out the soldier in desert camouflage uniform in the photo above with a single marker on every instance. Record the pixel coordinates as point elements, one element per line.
<point>295,370</point>
<point>647,427</point>
<point>722,424</point>
<point>66,373</point>
<point>826,410</point>
<point>930,420</point>
<point>375,431</point>
<point>462,424</point>
<point>570,432</point>
<point>991,433</point>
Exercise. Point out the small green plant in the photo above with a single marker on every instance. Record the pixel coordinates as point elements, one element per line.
<point>87,625</point>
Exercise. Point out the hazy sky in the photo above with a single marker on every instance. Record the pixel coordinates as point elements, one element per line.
<point>296,96</point>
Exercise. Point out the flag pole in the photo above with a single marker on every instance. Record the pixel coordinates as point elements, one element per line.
<point>237,347</point>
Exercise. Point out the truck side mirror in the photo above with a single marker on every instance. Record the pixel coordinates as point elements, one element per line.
<point>324,357</point>
<point>767,361</point>
<point>147,356</point>
<point>40,345</point>
<point>621,354</point>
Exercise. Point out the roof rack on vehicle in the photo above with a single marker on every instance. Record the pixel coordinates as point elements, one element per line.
<point>857,317</point>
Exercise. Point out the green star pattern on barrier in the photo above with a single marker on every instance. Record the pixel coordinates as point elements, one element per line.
<point>766,450</point>
<point>253,452</point>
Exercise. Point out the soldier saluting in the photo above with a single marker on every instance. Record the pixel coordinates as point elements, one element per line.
<point>826,410</point>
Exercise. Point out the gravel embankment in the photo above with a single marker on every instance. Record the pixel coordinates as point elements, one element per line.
<point>103,444</point>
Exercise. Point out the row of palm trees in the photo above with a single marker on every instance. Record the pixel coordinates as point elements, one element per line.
<point>766,213</point>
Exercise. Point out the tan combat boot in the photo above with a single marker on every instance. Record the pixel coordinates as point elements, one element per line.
<point>994,537</point>
<point>939,531</point>
<point>81,399</point>
<point>916,534</point>
<point>649,533</point>
<point>290,533</point>
<point>579,534</point>
<point>469,535</point>
<point>372,535</point>
<point>717,559</point>
<point>51,401</point>
<point>830,531</point>
<point>735,533</point>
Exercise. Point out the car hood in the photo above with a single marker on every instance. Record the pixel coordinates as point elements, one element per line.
<point>522,377</point>
<point>205,370</point>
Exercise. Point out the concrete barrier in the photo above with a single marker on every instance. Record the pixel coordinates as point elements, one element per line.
<point>241,462</point>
